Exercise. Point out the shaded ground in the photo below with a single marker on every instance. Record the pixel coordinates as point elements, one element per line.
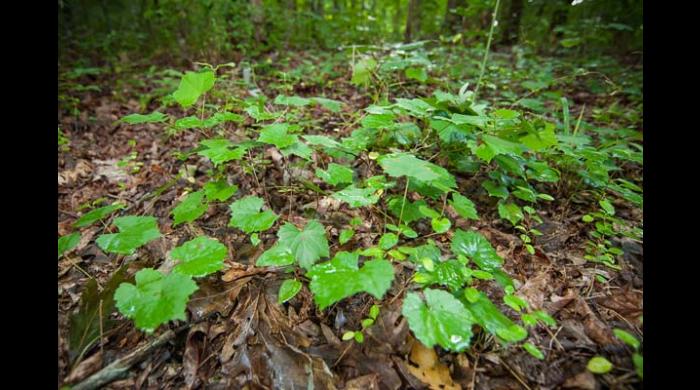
<point>239,337</point>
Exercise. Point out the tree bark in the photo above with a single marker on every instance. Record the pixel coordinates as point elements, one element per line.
<point>412,20</point>
<point>512,22</point>
<point>452,23</point>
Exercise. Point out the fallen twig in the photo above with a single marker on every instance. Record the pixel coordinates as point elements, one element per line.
<point>119,367</point>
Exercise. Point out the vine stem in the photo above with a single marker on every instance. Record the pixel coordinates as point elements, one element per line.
<point>405,192</point>
<point>486,53</point>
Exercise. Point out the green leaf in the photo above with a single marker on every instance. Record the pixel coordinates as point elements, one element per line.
<point>329,104</point>
<point>488,316</point>
<point>345,235</point>
<point>532,350</point>
<point>155,299</point>
<point>464,207</point>
<point>219,152</point>
<point>349,335</point>
<point>418,74</point>
<point>66,243</point>
<point>544,317</point>
<point>627,338</point>
<point>495,190</point>
<point>607,206</point>
<point>192,86</point>
<point>288,290</point>
<point>276,134</point>
<point>440,225</point>
<point>189,122</point>
<point>357,197</point>
<point>511,212</point>
<point>219,190</point>
<point>599,365</point>
<point>515,302</point>
<point>477,248</point>
<point>359,337</point>
<point>340,278</point>
<point>411,211</point>
<point>403,164</point>
<point>298,149</point>
<point>450,273</point>
<point>638,361</point>
<point>322,140</point>
<point>193,207</point>
<point>277,256</point>
<point>295,101</point>
<point>374,312</point>
<point>493,146</point>
<point>246,215</point>
<point>97,214</point>
<point>378,121</point>
<point>135,119</point>
<point>362,71</point>
<point>335,174</point>
<point>307,245</point>
<point>415,107</point>
<point>441,319</point>
<point>388,240</point>
<point>134,232</point>
<point>199,257</point>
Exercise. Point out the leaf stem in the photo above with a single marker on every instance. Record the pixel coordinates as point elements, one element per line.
<point>405,192</point>
<point>486,53</point>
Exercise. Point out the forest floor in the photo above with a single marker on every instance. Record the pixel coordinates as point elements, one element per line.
<point>237,335</point>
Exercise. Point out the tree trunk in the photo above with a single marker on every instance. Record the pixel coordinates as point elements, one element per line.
<point>257,16</point>
<point>452,23</point>
<point>512,21</point>
<point>412,20</point>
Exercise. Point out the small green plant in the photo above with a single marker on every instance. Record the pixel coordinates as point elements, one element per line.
<point>358,335</point>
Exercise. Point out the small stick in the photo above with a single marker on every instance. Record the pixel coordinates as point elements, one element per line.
<point>120,366</point>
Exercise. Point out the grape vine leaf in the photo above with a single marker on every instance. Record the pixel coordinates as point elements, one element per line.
<point>340,278</point>
<point>441,319</point>
<point>511,212</point>
<point>136,119</point>
<point>335,174</point>
<point>276,134</point>
<point>403,164</point>
<point>476,247</point>
<point>192,86</point>
<point>218,150</point>
<point>307,245</point>
<point>97,214</point>
<point>464,206</point>
<point>134,232</point>
<point>155,299</point>
<point>199,257</point>
<point>191,208</point>
<point>357,197</point>
<point>246,215</point>
<point>277,256</point>
<point>219,190</point>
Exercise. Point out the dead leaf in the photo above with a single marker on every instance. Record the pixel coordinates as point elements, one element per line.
<point>424,365</point>
<point>68,177</point>
<point>583,381</point>
<point>368,382</point>
<point>195,346</point>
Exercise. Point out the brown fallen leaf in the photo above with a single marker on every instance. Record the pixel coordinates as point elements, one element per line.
<point>195,346</point>
<point>582,381</point>
<point>365,382</point>
<point>424,365</point>
<point>68,177</point>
